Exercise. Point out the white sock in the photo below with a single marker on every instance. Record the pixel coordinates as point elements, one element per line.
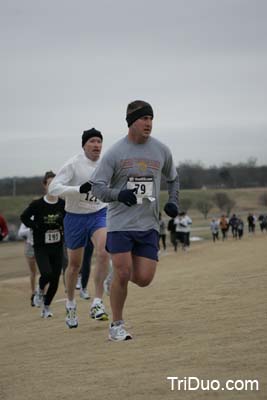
<point>70,303</point>
<point>96,301</point>
<point>117,323</point>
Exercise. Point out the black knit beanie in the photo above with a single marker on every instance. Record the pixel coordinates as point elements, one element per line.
<point>89,134</point>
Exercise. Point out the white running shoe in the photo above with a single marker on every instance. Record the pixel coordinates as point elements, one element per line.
<point>38,299</point>
<point>84,294</point>
<point>98,312</point>
<point>79,282</point>
<point>71,318</point>
<point>46,312</point>
<point>118,333</point>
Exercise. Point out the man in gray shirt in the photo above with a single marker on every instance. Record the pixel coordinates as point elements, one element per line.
<point>128,178</point>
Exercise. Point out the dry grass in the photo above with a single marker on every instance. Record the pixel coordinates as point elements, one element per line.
<point>247,200</point>
<point>204,315</point>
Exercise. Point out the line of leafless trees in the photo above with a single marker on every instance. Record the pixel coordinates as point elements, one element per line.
<point>242,175</point>
<point>221,200</point>
<point>192,176</point>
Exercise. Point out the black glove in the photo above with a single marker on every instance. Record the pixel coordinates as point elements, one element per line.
<point>171,210</point>
<point>85,187</point>
<point>128,197</point>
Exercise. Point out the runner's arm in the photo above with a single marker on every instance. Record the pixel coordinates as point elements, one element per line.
<point>27,216</point>
<point>170,172</point>
<point>59,185</point>
<point>173,191</point>
<point>101,179</point>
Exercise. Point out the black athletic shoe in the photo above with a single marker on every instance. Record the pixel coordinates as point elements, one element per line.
<point>32,302</point>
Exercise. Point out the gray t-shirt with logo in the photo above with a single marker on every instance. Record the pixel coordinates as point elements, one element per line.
<point>140,166</point>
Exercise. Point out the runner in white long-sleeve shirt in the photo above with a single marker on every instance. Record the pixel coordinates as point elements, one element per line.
<point>85,218</point>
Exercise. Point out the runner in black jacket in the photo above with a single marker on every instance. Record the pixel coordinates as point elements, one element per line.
<point>45,217</point>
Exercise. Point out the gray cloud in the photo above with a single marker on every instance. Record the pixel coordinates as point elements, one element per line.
<point>66,66</point>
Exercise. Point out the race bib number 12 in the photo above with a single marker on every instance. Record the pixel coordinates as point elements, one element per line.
<point>87,200</point>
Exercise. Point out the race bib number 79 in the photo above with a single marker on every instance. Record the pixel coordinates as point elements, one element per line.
<point>142,184</point>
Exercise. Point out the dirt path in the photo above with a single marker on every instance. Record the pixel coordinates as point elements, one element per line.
<point>203,316</point>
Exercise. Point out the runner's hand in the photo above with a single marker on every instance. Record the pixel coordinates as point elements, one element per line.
<point>128,197</point>
<point>85,187</point>
<point>171,210</point>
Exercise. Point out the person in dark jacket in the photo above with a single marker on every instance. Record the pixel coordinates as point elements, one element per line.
<point>172,230</point>
<point>45,217</point>
<point>233,222</point>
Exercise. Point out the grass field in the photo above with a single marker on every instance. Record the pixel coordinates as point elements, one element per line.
<point>203,316</point>
<point>11,207</point>
<point>247,200</point>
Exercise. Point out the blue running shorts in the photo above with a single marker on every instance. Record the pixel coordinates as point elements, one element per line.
<point>78,228</point>
<point>140,243</point>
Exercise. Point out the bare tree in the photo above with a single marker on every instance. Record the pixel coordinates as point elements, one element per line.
<point>185,204</point>
<point>220,199</point>
<point>224,202</point>
<point>230,205</point>
<point>263,199</point>
<point>204,206</point>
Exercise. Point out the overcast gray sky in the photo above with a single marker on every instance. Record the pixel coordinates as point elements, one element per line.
<point>69,65</point>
